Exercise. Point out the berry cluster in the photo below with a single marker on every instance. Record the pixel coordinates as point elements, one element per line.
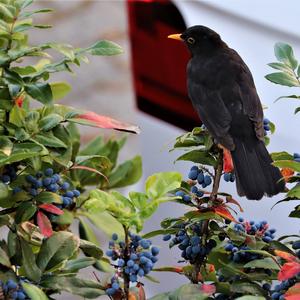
<point>229,177</point>
<point>9,174</point>
<point>202,179</point>
<point>296,157</point>
<point>277,293</point>
<point>190,242</point>
<point>136,260</point>
<point>266,125</point>
<point>12,290</point>
<point>259,230</point>
<point>51,182</point>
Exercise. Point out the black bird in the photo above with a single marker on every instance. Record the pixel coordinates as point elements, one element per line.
<point>223,93</point>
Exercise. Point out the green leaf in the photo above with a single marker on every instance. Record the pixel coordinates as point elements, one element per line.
<point>294,192</point>
<point>283,79</point>
<point>86,232</point>
<point>6,13</point>
<point>127,173</point>
<point>6,145</point>
<point>139,200</point>
<point>104,48</point>
<point>65,219</point>
<point>250,298</point>
<point>65,49</point>
<point>85,288</point>
<point>17,116</point>
<point>60,89</point>
<point>290,96</point>
<point>106,223</point>
<point>281,67</point>
<point>197,156</point>
<point>281,156</point>
<point>25,212</point>
<point>265,263</point>
<point>90,249</point>
<point>22,25</point>
<point>297,110</point>
<point>48,197</point>
<point>31,269</point>
<point>294,165</point>
<point>56,249</point>
<point>40,91</point>
<point>77,264</point>
<point>33,292</point>
<point>159,184</point>
<point>49,140</point>
<point>4,259</point>
<point>188,291</point>
<point>284,53</point>
<point>247,287</point>
<point>50,121</point>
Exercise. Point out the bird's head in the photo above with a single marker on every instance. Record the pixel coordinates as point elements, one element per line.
<point>199,39</point>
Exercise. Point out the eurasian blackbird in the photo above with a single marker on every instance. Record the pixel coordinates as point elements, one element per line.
<point>223,93</point>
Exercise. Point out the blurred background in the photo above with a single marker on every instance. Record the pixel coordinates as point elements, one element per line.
<point>146,84</point>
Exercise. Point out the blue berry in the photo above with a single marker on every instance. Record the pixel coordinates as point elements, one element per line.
<point>133,278</point>
<point>296,155</point>
<point>133,256</point>
<point>193,174</point>
<point>67,201</point>
<point>21,296</point>
<point>121,262</point>
<point>5,179</point>
<point>266,286</point>
<point>179,194</point>
<point>167,237</point>
<point>228,247</point>
<point>76,193</point>
<point>69,194</point>
<point>115,286</point>
<point>227,177</point>
<point>207,180</point>
<point>65,186</point>
<point>135,267</point>
<point>16,190</point>
<point>141,272</point>
<point>200,178</point>
<point>33,192</point>
<point>47,181</point>
<point>194,168</point>
<point>155,251</point>
<point>39,174</point>
<point>186,198</point>
<point>241,219</point>
<point>11,284</point>
<point>267,128</point>
<point>53,187</point>
<point>55,178</point>
<point>145,244</point>
<point>114,237</point>
<point>199,193</point>
<point>109,253</point>
<point>195,240</point>
<point>30,178</point>
<point>130,263</point>
<point>194,189</point>
<point>296,245</point>
<point>110,291</point>
<point>48,172</point>
<point>14,295</point>
<point>266,121</point>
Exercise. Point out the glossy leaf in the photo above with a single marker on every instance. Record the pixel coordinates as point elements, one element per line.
<point>56,249</point>
<point>85,288</point>
<point>77,264</point>
<point>90,249</point>
<point>288,164</point>
<point>33,292</point>
<point>60,89</point>
<point>265,263</point>
<point>29,263</point>
<point>44,224</point>
<point>4,259</point>
<point>51,208</point>
<point>197,156</point>
<point>50,121</point>
<point>41,92</point>
<point>293,293</point>
<point>25,212</point>
<point>224,212</point>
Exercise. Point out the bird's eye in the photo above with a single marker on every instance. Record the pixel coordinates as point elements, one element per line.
<point>191,40</point>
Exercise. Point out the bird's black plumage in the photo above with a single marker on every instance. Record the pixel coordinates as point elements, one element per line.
<point>223,93</point>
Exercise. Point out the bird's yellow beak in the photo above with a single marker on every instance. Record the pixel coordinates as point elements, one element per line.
<point>176,36</point>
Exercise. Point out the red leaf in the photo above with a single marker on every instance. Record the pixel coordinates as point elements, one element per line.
<point>224,212</point>
<point>208,289</point>
<point>51,208</point>
<point>287,173</point>
<point>288,270</point>
<point>231,200</point>
<point>101,121</point>
<point>293,293</point>
<point>287,256</point>
<point>141,293</point>
<point>44,224</point>
<point>89,169</point>
<point>227,161</point>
